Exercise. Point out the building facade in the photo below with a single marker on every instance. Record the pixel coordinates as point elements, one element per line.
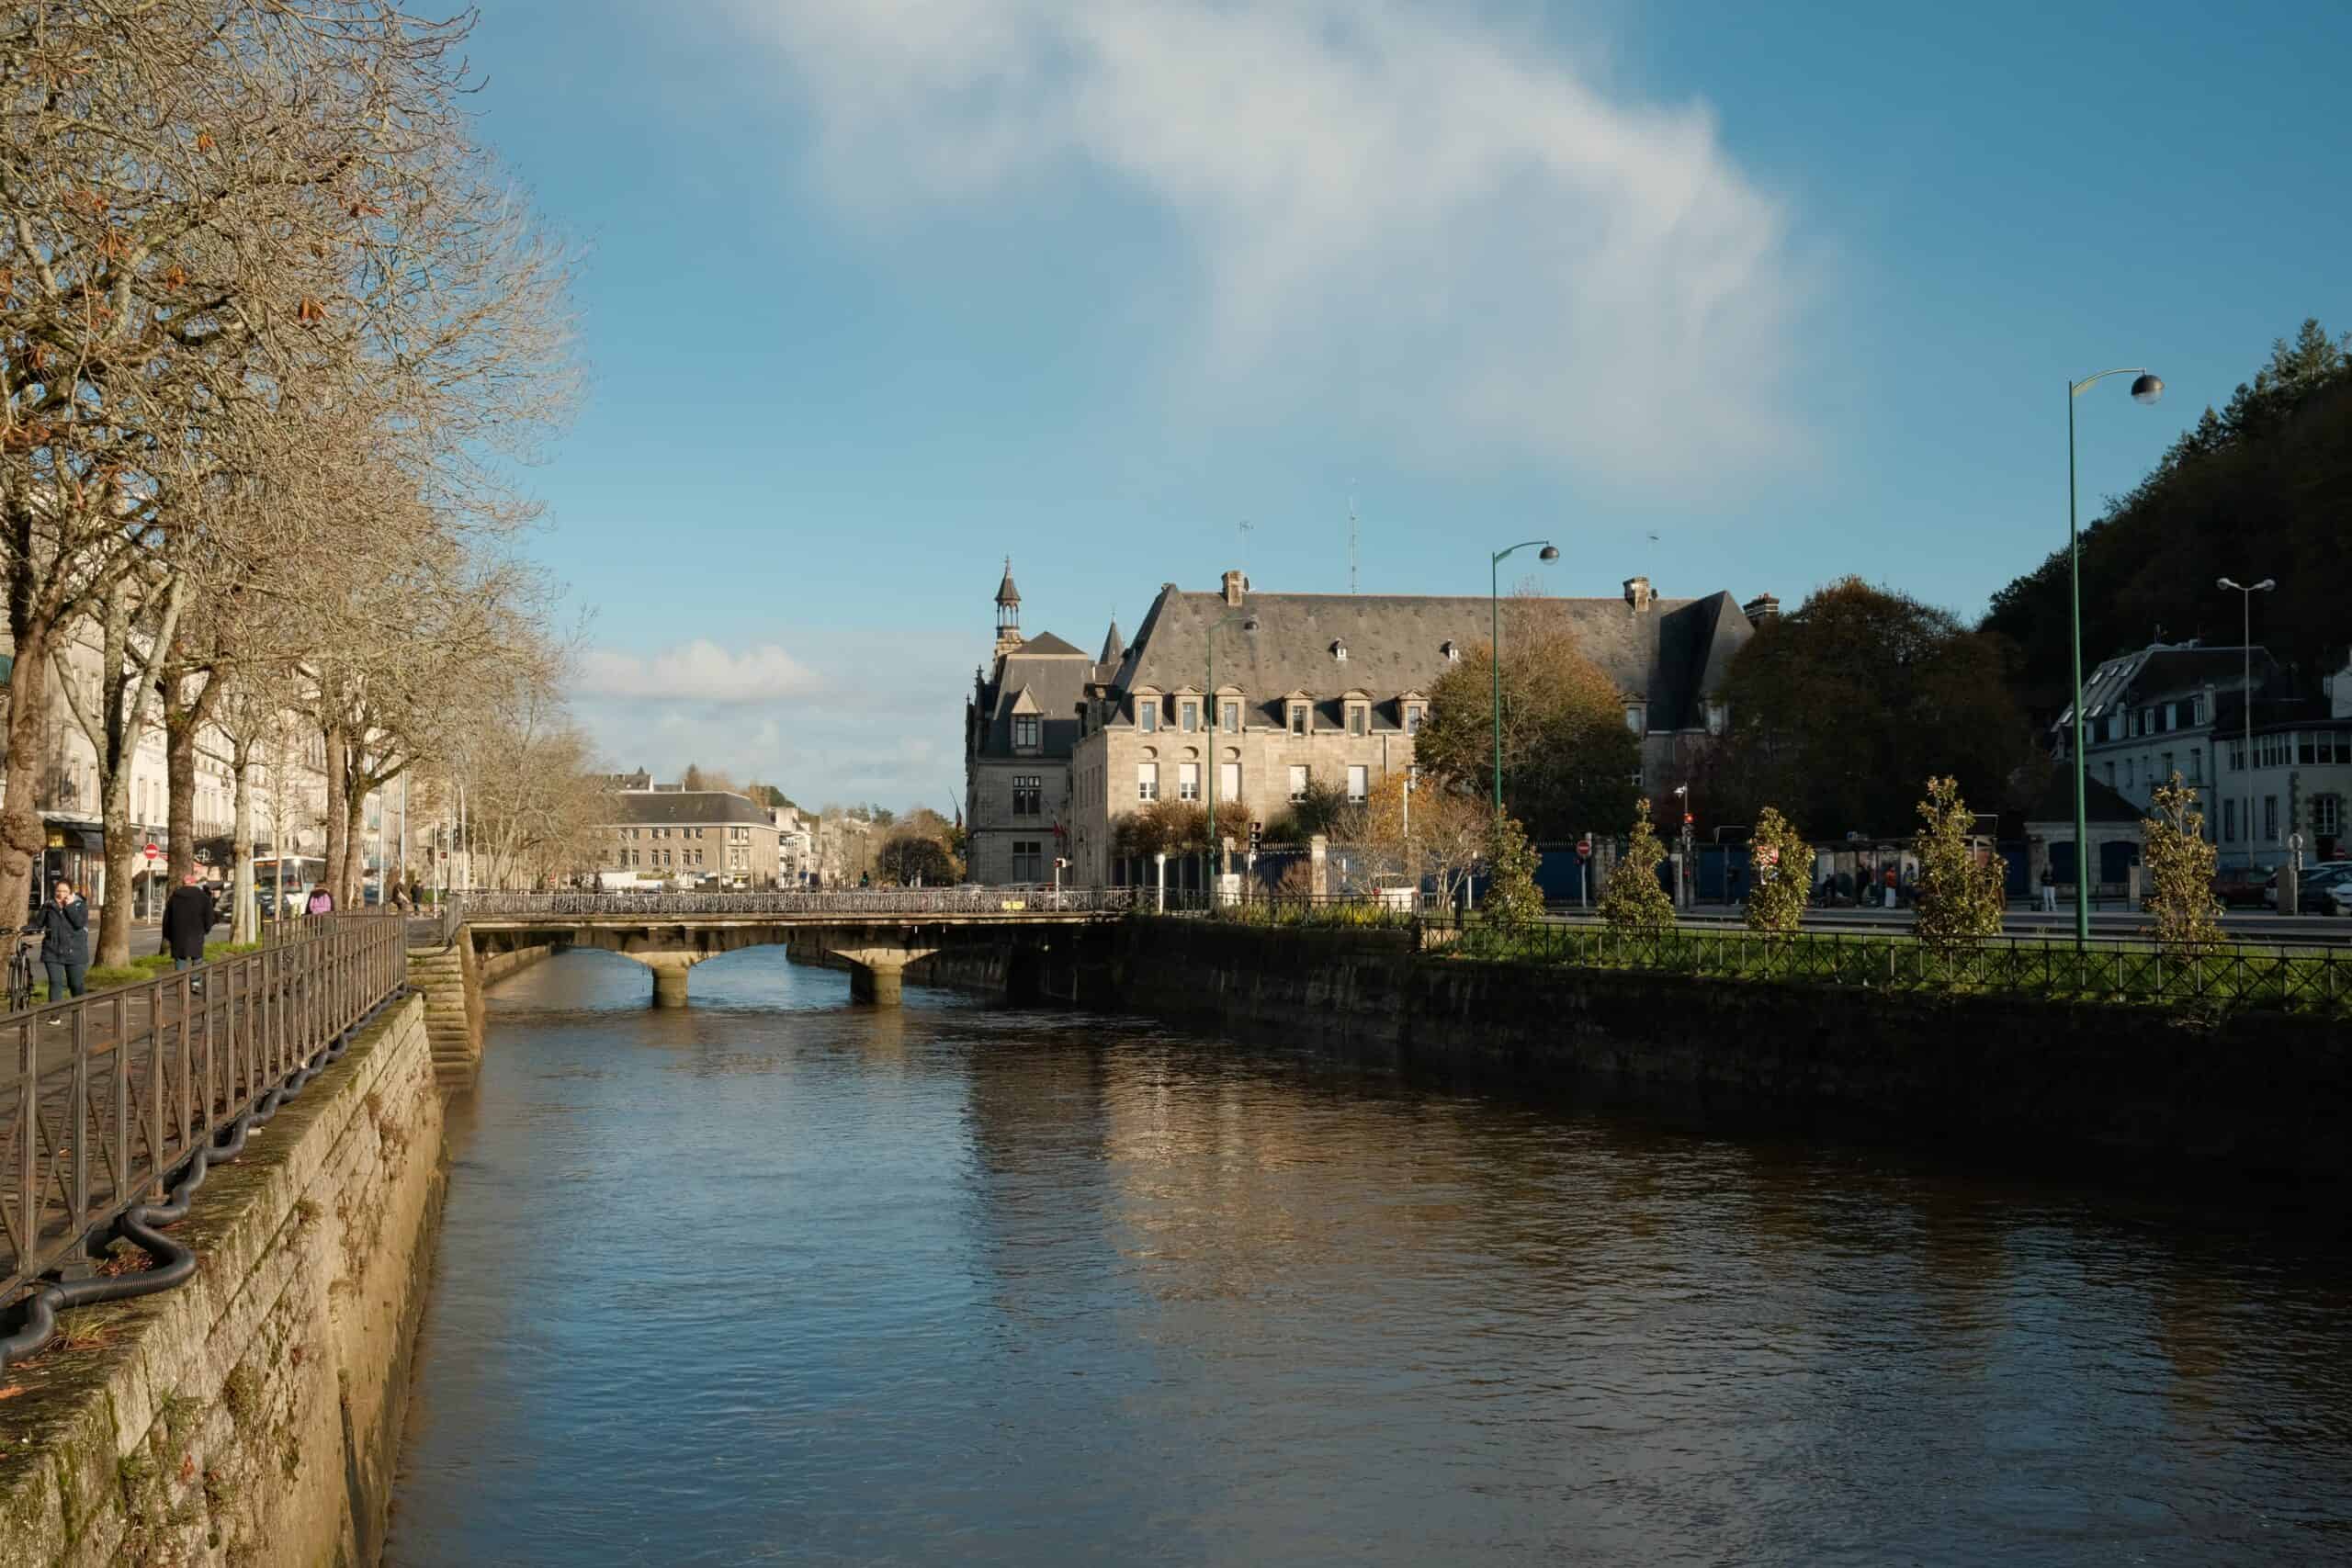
<point>1276,692</point>
<point>675,834</point>
<point>1020,729</point>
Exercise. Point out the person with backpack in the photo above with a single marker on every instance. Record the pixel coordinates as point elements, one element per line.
<point>64,927</point>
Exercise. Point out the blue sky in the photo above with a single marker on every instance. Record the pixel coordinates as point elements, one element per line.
<point>876,292</point>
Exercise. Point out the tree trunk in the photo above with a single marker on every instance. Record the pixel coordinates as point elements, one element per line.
<point>242,922</point>
<point>338,769</point>
<point>179,782</point>
<point>354,807</point>
<point>114,915</point>
<point>23,835</point>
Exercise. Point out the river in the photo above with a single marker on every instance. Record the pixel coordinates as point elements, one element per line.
<point>777,1279</point>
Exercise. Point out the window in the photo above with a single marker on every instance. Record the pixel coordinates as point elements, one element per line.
<point>1339,652</point>
<point>2196,764</point>
<point>2229,821</point>
<point>1188,780</point>
<point>1637,718</point>
<point>1147,713</point>
<point>1298,777</point>
<point>2130,773</point>
<point>1358,781</point>
<point>1716,714</point>
<point>2270,819</point>
<point>1229,781</point>
<point>2315,747</point>
<point>2165,773</point>
<point>1412,718</point>
<point>1025,729</point>
<point>1359,719</point>
<point>2237,756</point>
<point>1027,796</point>
<point>1298,718</point>
<point>1230,715</point>
<point>2327,816</point>
<point>1453,652</point>
<point>1188,715</point>
<point>2109,766</point>
<point>1028,856</point>
<point>1146,780</point>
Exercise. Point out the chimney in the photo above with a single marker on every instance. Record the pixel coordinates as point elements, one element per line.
<point>1234,586</point>
<point>1637,593</point>
<point>1762,608</point>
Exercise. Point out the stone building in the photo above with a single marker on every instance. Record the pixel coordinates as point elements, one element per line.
<point>1331,688</point>
<point>1018,728</point>
<point>693,835</point>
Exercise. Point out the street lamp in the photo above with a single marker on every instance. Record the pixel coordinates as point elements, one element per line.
<point>1495,649</point>
<point>2265,586</point>
<point>1215,717</point>
<point>2146,389</point>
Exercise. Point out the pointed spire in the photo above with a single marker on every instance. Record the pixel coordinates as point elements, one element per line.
<point>1113,649</point>
<point>1005,593</point>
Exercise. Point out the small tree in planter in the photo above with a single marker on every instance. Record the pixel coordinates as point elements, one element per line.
<point>1632,897</point>
<point>1959,892</point>
<point>1512,898</point>
<point>2180,872</point>
<point>1780,865</point>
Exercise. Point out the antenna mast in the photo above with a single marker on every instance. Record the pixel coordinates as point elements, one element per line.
<point>1245,527</point>
<point>1351,546</point>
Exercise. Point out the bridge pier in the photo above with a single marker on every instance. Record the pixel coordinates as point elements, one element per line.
<point>669,976</point>
<point>878,982</point>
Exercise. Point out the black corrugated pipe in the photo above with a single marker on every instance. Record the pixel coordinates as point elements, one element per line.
<point>139,1223</point>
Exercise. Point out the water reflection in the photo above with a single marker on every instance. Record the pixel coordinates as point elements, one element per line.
<point>773,1279</point>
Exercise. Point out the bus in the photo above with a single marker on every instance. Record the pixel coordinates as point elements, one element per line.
<point>303,872</point>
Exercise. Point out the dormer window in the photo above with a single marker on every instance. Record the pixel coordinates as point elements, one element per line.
<point>1298,718</point>
<point>1359,719</point>
<point>1147,713</point>
<point>1230,715</point>
<point>1637,718</point>
<point>1339,652</point>
<point>1188,715</point>
<point>1025,732</point>
<point>1413,712</point>
<point>1453,651</point>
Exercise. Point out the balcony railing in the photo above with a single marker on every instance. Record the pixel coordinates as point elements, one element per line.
<point>107,1099</point>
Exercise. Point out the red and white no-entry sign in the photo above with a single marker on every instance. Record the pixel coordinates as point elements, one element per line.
<point>1584,849</point>
<point>154,853</point>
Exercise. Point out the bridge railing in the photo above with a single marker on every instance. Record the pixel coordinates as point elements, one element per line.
<point>103,1098</point>
<point>857,903</point>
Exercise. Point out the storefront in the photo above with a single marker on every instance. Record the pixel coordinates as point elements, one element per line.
<point>77,852</point>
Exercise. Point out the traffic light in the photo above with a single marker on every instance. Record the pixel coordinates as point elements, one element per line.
<point>1255,829</point>
<point>1687,820</point>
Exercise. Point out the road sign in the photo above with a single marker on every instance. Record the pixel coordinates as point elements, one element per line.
<point>1769,856</point>
<point>154,853</point>
<point>1584,849</point>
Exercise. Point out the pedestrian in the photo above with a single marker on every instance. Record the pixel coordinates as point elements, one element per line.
<point>321,901</point>
<point>64,926</point>
<point>187,919</point>
<point>2049,890</point>
<point>1889,887</point>
<point>415,894</point>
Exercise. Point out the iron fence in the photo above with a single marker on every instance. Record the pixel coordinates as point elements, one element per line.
<point>105,1098</point>
<point>852,902</point>
<point>2317,980</point>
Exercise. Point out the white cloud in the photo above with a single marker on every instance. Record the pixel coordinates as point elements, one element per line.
<point>698,672</point>
<point>1407,213</point>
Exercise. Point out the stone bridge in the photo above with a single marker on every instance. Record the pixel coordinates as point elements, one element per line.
<point>876,932</point>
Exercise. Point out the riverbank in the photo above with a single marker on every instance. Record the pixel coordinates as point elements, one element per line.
<point>251,1416</point>
<point>2245,1095</point>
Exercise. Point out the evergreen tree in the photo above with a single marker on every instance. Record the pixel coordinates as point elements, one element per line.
<point>1632,897</point>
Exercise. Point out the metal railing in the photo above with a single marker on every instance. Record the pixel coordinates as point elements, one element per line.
<point>105,1097</point>
<point>853,903</point>
<point>2314,980</point>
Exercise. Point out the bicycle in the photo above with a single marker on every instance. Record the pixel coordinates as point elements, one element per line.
<point>20,971</point>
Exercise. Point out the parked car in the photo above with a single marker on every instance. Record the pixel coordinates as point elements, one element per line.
<point>2240,888</point>
<point>2315,880</point>
<point>2337,899</point>
<point>2312,897</point>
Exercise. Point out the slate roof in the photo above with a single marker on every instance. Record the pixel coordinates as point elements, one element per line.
<point>2160,672</point>
<point>1005,593</point>
<point>1670,655</point>
<point>1045,675</point>
<point>687,807</point>
<point>1113,651</point>
<point>2101,803</point>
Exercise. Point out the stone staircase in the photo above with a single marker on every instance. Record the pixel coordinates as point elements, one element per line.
<point>452,1009</point>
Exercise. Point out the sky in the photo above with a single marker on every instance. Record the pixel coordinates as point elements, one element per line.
<point>875,293</point>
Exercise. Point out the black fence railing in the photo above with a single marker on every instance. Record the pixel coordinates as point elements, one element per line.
<point>105,1099</point>
<point>2309,980</point>
<point>851,902</point>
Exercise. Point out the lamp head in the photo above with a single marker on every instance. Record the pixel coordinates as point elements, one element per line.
<point>1548,553</point>
<point>2226,583</point>
<point>2265,585</point>
<point>2147,389</point>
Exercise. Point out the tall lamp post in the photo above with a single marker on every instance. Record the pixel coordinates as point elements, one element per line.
<point>1215,717</point>
<point>1495,649</point>
<point>2146,389</point>
<point>2247,595</point>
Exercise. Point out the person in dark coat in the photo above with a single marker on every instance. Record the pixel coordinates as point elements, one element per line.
<point>187,919</point>
<point>64,926</point>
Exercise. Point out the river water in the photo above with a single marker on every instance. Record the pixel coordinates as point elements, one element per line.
<point>780,1280</point>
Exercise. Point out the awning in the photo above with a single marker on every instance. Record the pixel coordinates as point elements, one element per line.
<point>69,835</point>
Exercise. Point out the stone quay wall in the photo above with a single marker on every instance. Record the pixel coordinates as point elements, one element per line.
<point>253,1416</point>
<point>2263,1098</point>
